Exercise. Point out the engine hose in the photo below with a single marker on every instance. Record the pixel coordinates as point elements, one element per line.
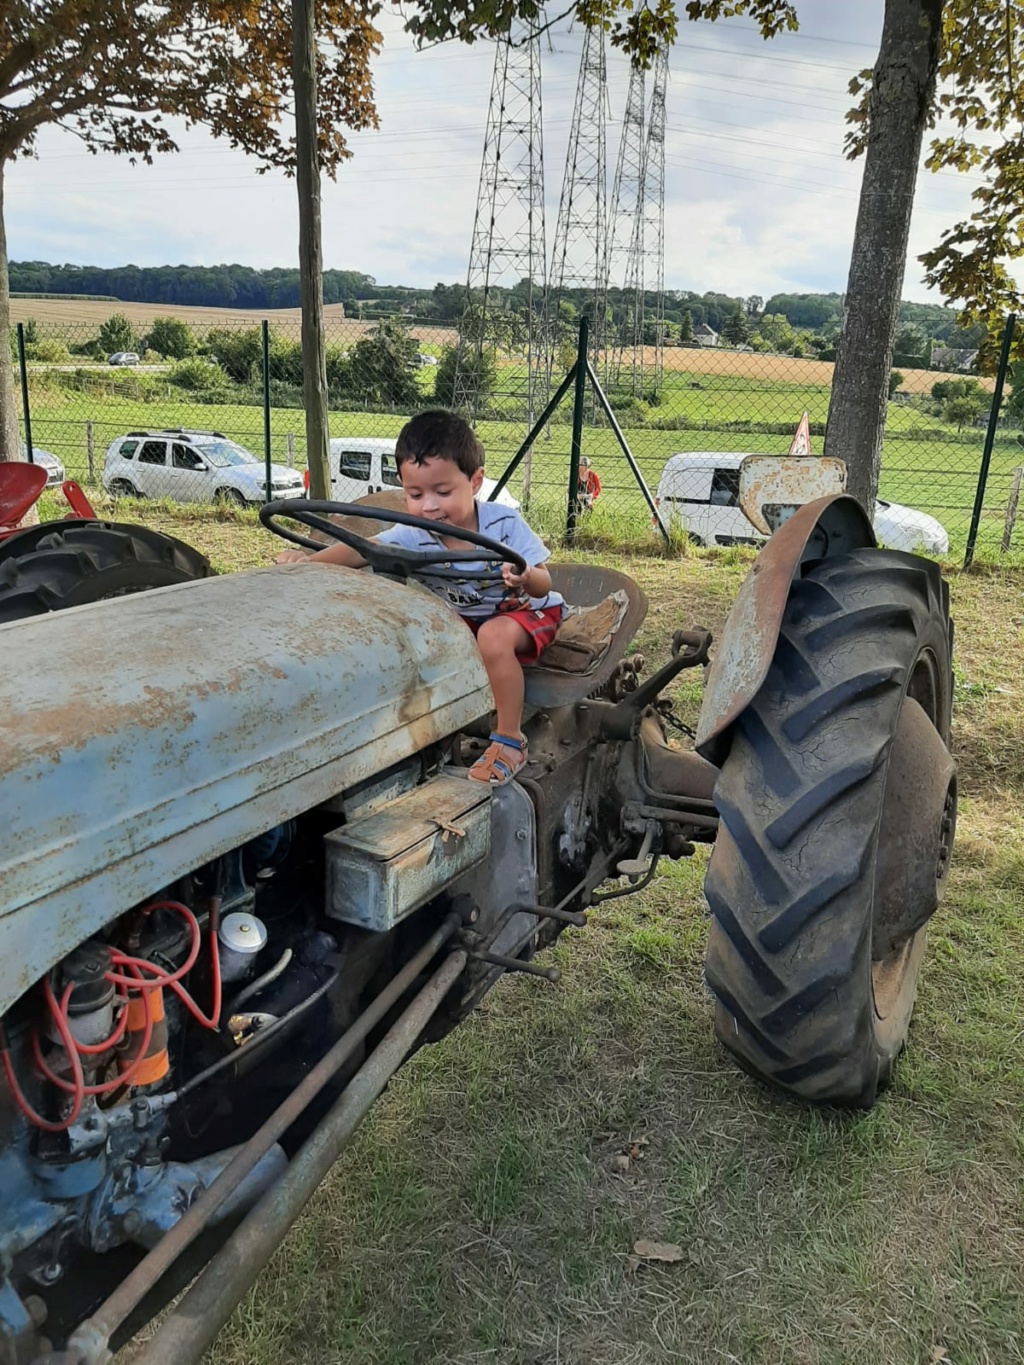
<point>254,987</point>
<point>259,1040</point>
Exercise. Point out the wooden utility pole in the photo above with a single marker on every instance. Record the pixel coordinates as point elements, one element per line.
<point>311,289</point>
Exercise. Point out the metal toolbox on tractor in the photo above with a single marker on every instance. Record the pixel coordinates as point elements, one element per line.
<point>388,863</point>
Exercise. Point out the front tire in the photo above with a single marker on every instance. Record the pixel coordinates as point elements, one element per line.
<point>230,497</point>
<point>837,805</point>
<point>67,564</point>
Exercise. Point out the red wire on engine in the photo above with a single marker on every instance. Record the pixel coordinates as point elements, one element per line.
<point>132,977</point>
<point>58,1011</point>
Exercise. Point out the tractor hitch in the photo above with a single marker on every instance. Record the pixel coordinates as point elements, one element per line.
<point>689,650</point>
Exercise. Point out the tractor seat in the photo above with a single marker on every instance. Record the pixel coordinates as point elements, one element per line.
<point>606,609</point>
<point>20,486</point>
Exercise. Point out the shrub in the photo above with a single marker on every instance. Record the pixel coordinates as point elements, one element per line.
<point>196,375</point>
<point>51,351</point>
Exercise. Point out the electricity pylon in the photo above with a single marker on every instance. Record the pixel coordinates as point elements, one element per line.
<point>508,247</point>
<point>579,259</point>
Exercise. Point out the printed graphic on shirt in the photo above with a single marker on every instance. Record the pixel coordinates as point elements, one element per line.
<point>476,588</point>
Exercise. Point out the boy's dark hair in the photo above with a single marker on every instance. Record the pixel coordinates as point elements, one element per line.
<point>442,435</point>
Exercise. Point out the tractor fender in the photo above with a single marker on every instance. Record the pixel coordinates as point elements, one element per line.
<point>819,530</point>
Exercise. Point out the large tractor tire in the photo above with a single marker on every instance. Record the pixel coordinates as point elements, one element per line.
<point>837,806</point>
<point>67,564</point>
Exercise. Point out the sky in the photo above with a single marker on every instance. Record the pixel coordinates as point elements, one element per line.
<point>759,198</point>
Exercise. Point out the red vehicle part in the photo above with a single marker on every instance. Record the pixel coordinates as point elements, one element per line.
<point>20,486</point>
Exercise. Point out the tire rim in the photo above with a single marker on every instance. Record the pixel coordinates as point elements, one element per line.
<point>915,839</point>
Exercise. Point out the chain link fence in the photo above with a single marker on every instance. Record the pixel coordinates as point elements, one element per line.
<point>211,410</point>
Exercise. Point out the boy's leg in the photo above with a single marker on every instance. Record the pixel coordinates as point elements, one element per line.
<point>500,639</point>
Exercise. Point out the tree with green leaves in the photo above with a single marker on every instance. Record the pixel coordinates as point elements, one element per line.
<point>117,334</point>
<point>735,329</point>
<point>482,375</point>
<point>115,72</point>
<point>382,366</point>
<point>172,338</point>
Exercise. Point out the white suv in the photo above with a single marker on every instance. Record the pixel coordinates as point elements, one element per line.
<point>192,466</point>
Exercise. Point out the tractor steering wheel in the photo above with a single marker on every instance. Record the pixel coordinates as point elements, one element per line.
<point>394,560</point>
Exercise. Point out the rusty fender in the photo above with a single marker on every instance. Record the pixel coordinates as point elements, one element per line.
<point>819,530</point>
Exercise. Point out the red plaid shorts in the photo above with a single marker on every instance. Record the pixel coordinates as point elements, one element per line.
<point>541,625</point>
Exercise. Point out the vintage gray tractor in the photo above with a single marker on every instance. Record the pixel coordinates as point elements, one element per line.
<point>243,874</point>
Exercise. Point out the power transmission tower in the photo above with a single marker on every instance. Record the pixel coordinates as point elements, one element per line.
<point>652,245</point>
<point>645,213</point>
<point>579,260</point>
<point>625,241</point>
<point>508,247</point>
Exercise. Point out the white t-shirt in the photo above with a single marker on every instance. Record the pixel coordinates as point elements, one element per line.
<point>476,588</point>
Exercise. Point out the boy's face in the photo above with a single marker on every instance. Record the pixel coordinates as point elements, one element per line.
<point>438,490</point>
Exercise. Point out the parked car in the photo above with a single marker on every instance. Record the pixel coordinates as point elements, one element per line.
<point>46,460</point>
<point>123,358</point>
<point>192,466</point>
<point>699,492</point>
<point>366,464</point>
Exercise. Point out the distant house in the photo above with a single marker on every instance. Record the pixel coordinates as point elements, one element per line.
<point>703,335</point>
<point>951,359</point>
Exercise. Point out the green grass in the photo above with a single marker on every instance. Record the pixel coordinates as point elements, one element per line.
<point>488,1207</point>
<point>936,476</point>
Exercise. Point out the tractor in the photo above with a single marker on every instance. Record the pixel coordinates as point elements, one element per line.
<point>244,876</point>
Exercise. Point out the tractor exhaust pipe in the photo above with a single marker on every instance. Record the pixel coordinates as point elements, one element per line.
<point>191,1328</point>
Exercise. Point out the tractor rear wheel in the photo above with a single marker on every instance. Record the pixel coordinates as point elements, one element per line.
<point>837,806</point>
<point>67,564</point>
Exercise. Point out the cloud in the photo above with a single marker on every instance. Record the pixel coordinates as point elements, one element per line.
<point>758,195</point>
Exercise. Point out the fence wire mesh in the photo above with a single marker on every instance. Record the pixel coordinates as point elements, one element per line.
<point>174,408</point>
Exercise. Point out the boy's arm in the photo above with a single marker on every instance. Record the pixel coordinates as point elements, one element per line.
<point>535,582</point>
<point>331,554</point>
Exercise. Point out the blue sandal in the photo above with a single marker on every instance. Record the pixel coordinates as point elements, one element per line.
<point>492,767</point>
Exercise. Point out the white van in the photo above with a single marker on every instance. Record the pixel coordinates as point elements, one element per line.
<point>700,492</point>
<point>366,464</point>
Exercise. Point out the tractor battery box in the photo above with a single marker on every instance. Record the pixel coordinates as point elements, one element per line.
<point>386,864</point>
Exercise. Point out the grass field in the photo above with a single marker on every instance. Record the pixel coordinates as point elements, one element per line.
<point>488,1209</point>
<point>935,476</point>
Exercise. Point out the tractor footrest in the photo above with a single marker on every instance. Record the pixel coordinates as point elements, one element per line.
<point>387,864</point>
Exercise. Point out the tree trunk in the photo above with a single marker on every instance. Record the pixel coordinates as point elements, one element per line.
<point>901,95</point>
<point>10,439</point>
<point>311,290</point>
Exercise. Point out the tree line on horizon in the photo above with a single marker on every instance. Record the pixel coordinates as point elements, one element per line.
<point>251,289</point>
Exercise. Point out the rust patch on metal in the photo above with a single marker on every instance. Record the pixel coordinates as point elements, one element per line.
<point>787,480</point>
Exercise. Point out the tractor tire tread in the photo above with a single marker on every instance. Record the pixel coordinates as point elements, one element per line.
<point>790,880</point>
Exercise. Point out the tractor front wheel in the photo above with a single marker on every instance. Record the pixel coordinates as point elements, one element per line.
<point>67,564</point>
<point>837,806</point>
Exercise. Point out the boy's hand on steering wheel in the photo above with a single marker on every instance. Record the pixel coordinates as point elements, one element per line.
<point>514,579</point>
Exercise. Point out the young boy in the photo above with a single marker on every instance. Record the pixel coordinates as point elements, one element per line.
<point>514,616</point>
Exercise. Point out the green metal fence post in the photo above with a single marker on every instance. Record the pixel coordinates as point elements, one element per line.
<point>24,392</point>
<point>265,330</point>
<point>579,397</point>
<point>990,436</point>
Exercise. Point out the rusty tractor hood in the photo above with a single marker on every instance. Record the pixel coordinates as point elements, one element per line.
<point>143,736</point>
